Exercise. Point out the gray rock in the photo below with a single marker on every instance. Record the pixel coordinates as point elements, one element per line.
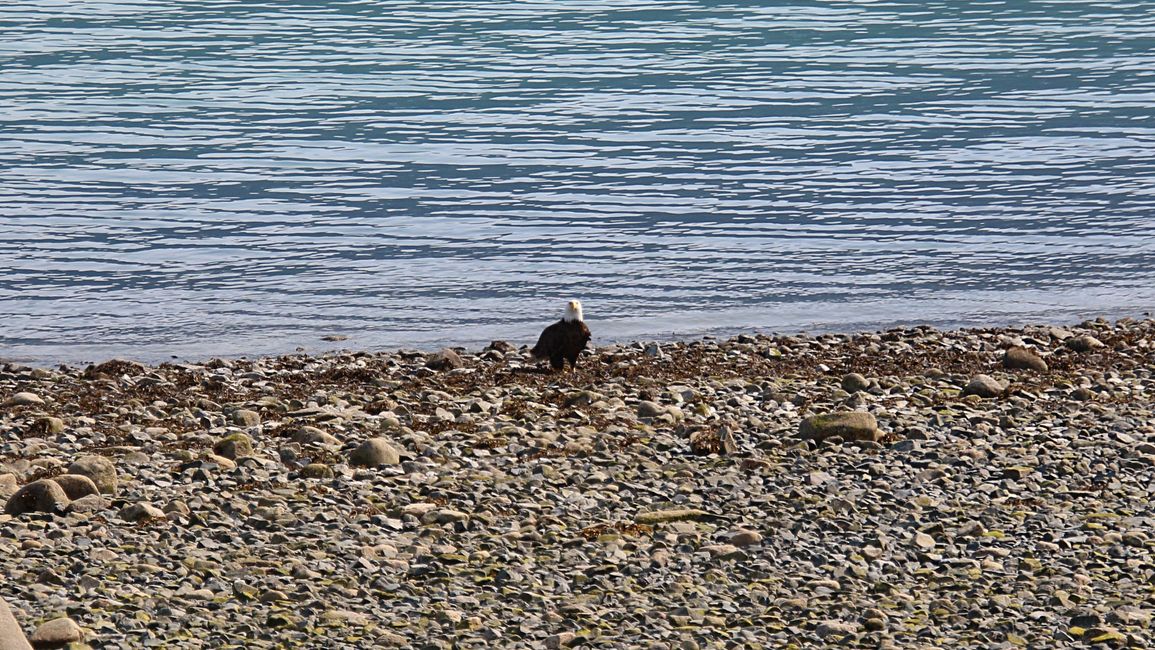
<point>99,469</point>
<point>374,452</point>
<point>139,512</point>
<point>648,409</point>
<point>234,446</point>
<point>246,418</point>
<point>11,635</point>
<point>24,399</point>
<point>1023,359</point>
<point>57,633</point>
<point>44,495</point>
<point>445,359</point>
<point>76,485</point>
<point>983,386</point>
<point>849,425</point>
<point>90,503</point>
<point>314,436</point>
<point>1084,343</point>
<point>855,382</point>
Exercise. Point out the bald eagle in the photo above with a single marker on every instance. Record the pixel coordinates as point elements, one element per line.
<point>564,340</point>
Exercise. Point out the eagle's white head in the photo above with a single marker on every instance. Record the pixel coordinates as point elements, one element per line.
<point>573,311</point>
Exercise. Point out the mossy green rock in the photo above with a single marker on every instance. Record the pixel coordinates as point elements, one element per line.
<point>234,446</point>
<point>852,425</point>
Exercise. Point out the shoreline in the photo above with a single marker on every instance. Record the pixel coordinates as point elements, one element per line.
<point>671,494</point>
<point>606,332</point>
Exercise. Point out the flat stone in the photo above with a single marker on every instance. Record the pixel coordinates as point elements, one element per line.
<point>44,495</point>
<point>76,485</point>
<point>850,425</point>
<point>1023,359</point>
<point>98,468</point>
<point>923,541</point>
<point>374,452</point>
<point>56,633</point>
<point>11,634</point>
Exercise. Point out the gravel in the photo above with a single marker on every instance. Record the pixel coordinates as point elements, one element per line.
<point>707,493</point>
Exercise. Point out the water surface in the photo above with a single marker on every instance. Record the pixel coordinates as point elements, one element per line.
<point>213,177</point>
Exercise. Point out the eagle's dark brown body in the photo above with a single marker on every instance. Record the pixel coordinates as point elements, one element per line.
<point>563,341</point>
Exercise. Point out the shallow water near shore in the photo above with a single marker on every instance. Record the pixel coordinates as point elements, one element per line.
<point>227,178</point>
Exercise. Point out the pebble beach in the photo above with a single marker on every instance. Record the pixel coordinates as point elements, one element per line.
<point>913,488</point>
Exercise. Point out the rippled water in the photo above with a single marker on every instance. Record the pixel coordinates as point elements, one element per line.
<point>215,177</point>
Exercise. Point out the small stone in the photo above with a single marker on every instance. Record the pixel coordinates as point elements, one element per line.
<point>855,382</point>
<point>983,386</point>
<point>1023,359</point>
<point>44,495</point>
<point>234,446</point>
<point>849,425</point>
<point>221,461</point>
<point>744,538</point>
<point>446,359</point>
<point>56,633</point>
<point>374,452</point>
<point>76,485</point>
<point>1084,343</point>
<point>246,418</point>
<point>24,399</point>
<point>923,541</point>
<point>99,469</point>
<point>317,471</point>
<point>139,512</point>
